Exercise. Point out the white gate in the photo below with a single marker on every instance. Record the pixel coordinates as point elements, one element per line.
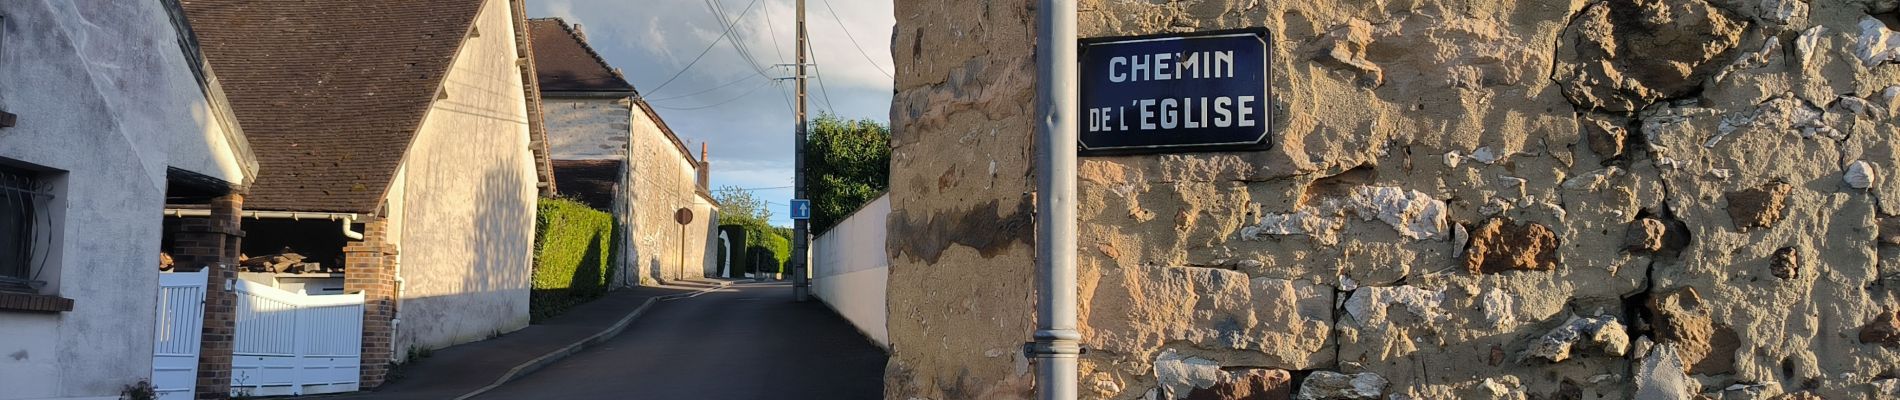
<point>295,344</point>
<point>181,315</point>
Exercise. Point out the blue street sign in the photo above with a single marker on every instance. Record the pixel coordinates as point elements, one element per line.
<point>1172,93</point>
<point>801,209</point>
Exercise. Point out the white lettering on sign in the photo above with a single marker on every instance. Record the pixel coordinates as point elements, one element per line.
<point>1171,66</point>
<point>1183,112</point>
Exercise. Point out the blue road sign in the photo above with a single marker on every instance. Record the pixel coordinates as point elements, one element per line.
<point>1171,93</point>
<point>801,209</point>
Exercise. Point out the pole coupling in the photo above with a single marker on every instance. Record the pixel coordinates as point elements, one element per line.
<point>1055,343</point>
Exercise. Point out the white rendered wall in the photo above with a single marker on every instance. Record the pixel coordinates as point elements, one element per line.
<point>105,97</point>
<point>468,200</point>
<point>850,269</point>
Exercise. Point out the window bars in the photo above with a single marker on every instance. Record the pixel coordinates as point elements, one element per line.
<point>23,198</point>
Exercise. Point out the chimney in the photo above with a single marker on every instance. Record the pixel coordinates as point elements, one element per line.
<point>705,168</point>
<point>579,33</point>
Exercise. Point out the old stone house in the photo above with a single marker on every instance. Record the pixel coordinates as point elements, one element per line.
<point>1461,200</point>
<point>397,141</point>
<point>612,150</point>
<point>108,116</point>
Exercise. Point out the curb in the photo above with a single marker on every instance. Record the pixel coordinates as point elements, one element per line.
<point>551,357</point>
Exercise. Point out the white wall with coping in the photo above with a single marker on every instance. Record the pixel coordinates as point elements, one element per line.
<point>467,200</point>
<point>850,269</point>
<point>107,101</point>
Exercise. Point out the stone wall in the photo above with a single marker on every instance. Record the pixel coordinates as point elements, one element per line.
<point>1472,200</point>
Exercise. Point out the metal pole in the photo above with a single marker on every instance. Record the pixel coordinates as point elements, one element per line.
<point>801,287</point>
<point>1057,344</point>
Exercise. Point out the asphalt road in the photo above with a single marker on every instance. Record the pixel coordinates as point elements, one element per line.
<point>750,341</point>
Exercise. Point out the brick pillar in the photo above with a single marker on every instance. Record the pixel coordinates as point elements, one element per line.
<point>212,244</point>
<point>370,267</point>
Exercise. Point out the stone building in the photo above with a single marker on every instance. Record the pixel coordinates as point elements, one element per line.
<point>611,150</point>
<point>108,116</point>
<point>410,125</point>
<point>1462,200</point>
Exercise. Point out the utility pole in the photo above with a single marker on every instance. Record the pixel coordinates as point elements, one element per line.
<point>1057,343</point>
<point>801,285</point>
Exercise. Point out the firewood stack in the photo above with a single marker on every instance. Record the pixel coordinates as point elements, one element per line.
<point>285,260</point>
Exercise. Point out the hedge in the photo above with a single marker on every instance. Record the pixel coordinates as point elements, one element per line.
<point>573,256</point>
<point>769,244</point>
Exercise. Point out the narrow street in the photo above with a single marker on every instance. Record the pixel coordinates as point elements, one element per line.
<point>750,341</point>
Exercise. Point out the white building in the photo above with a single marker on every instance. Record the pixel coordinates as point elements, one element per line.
<point>106,112</point>
<point>612,150</point>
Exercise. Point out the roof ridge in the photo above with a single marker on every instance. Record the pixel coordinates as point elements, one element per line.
<point>581,37</point>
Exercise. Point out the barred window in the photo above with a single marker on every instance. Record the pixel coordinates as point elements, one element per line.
<point>23,198</point>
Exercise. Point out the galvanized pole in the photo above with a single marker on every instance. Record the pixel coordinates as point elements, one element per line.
<point>1057,344</point>
<point>801,286</point>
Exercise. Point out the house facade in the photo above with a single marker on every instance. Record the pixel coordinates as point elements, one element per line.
<point>91,153</point>
<point>598,124</point>
<point>400,158</point>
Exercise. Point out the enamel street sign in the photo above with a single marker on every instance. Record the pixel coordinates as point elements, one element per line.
<point>1174,93</point>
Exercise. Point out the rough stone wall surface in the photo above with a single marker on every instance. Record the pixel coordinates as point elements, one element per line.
<point>1464,199</point>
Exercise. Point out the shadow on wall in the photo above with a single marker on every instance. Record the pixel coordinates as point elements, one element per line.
<point>498,266</point>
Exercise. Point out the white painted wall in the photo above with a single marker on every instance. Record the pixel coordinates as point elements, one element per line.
<point>661,180</point>
<point>586,128</point>
<point>468,200</point>
<point>104,97</point>
<point>850,269</point>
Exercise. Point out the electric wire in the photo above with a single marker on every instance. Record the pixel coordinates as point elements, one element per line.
<point>755,89</point>
<point>820,74</point>
<point>738,43</point>
<point>854,39</point>
<point>741,79</point>
<point>702,53</point>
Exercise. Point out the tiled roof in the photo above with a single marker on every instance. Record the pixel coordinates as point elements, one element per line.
<point>590,182</point>
<point>564,61</point>
<point>329,92</point>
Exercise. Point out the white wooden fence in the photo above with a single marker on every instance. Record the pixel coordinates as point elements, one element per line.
<point>181,313</point>
<point>295,344</point>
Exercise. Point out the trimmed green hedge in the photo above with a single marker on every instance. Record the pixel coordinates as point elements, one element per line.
<point>573,256</point>
<point>769,244</point>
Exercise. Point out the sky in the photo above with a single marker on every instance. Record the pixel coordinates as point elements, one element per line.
<point>728,100</point>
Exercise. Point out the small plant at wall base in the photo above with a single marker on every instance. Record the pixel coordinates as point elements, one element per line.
<point>142,390</point>
<point>573,257</point>
<point>848,163</point>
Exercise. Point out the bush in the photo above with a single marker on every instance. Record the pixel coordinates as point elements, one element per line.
<point>764,247</point>
<point>573,256</point>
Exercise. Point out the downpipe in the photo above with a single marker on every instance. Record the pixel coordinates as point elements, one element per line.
<point>1057,344</point>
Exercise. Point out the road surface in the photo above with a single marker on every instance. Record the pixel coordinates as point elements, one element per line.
<point>750,341</point>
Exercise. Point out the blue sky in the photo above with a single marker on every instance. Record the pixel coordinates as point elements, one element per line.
<point>727,100</point>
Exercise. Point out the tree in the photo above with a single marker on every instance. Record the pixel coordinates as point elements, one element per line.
<point>740,207</point>
<point>848,164</point>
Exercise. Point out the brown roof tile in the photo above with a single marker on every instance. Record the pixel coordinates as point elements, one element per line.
<point>564,61</point>
<point>591,182</point>
<point>330,92</point>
